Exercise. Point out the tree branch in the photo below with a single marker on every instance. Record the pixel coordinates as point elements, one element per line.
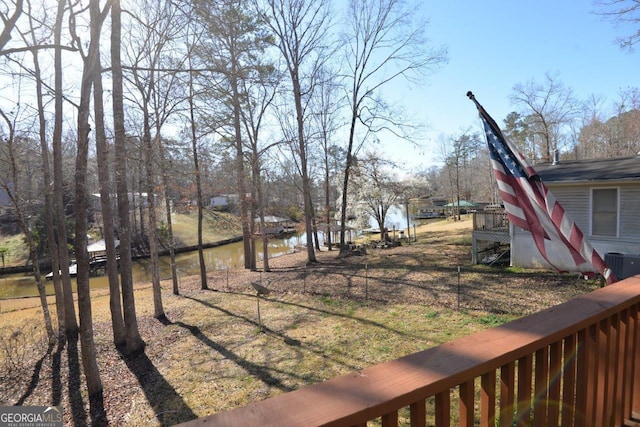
<point>34,48</point>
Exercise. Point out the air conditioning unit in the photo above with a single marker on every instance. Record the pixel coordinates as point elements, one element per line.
<point>623,265</point>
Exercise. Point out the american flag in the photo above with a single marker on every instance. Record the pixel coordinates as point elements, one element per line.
<point>530,205</point>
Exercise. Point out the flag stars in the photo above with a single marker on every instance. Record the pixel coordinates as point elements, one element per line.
<point>531,200</point>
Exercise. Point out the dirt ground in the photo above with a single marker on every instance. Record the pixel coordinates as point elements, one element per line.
<point>322,320</point>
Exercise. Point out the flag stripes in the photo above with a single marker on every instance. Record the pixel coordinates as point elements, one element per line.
<point>529,203</point>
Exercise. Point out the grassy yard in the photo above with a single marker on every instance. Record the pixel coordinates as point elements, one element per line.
<point>320,321</point>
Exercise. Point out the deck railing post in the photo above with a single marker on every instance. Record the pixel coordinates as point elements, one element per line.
<point>621,358</point>
<point>602,370</point>
<point>635,406</point>
<point>507,393</point>
<point>569,380</point>
<point>443,409</point>
<point>541,396</point>
<point>611,368</point>
<point>523,406</point>
<point>591,374</point>
<point>418,414</point>
<point>488,399</point>
<point>390,420</point>
<point>466,404</point>
<point>555,367</point>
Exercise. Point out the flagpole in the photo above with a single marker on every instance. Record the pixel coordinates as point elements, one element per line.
<point>472,97</point>
<point>496,129</point>
<point>531,206</point>
<point>486,115</point>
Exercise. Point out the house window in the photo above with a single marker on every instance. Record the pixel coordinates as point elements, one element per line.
<point>604,212</point>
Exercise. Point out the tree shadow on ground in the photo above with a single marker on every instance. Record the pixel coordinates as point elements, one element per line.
<point>170,408</point>
<point>254,369</point>
<point>74,386</point>
<point>97,413</point>
<point>75,382</point>
<point>294,342</point>
<point>56,381</point>
<point>35,376</point>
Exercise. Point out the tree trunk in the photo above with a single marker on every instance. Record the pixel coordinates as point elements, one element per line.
<point>345,183</point>
<point>134,341</point>
<point>314,225</point>
<point>48,203</point>
<point>158,310</point>
<point>167,204</point>
<point>15,196</point>
<point>240,172</point>
<point>252,232</point>
<point>71,323</point>
<point>89,362</point>
<point>256,208</point>
<point>306,185</point>
<point>102,154</point>
<point>327,201</point>
<point>141,231</point>
<point>258,190</point>
<point>10,23</point>
<point>196,166</point>
<point>41,290</point>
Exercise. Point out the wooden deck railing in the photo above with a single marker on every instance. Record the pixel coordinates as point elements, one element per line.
<point>490,221</point>
<point>576,364</point>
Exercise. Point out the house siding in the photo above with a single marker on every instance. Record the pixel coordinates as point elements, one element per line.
<point>630,213</point>
<point>576,200</point>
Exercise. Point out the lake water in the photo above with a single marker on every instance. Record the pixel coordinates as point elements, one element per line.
<point>229,256</point>
<point>219,258</point>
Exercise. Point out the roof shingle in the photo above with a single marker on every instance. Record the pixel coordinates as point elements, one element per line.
<point>617,169</point>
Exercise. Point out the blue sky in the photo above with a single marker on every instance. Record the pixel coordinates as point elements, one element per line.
<point>494,45</point>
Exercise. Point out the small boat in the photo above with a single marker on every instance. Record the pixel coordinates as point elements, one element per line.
<point>371,230</point>
<point>73,271</point>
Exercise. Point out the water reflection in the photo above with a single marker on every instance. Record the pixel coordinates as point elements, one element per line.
<point>219,258</point>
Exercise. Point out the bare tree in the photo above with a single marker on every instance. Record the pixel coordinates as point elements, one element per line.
<point>134,342</point>
<point>46,172</point>
<point>549,106</point>
<point>102,157</point>
<point>593,137</point>
<point>191,99</point>
<point>10,21</point>
<point>625,124</point>
<point>377,188</point>
<point>619,135</point>
<point>622,12</point>
<point>327,106</point>
<point>232,48</point>
<point>168,96</point>
<point>71,323</point>
<point>168,206</point>
<point>259,96</point>
<point>14,193</point>
<point>301,30</point>
<point>88,350</point>
<point>157,27</point>
<point>383,43</point>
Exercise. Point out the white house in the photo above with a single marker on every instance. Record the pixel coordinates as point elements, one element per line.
<point>603,198</point>
<point>219,202</point>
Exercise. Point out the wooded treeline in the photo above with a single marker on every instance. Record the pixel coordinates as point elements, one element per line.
<point>108,102</point>
<point>134,109</point>
<point>550,123</point>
